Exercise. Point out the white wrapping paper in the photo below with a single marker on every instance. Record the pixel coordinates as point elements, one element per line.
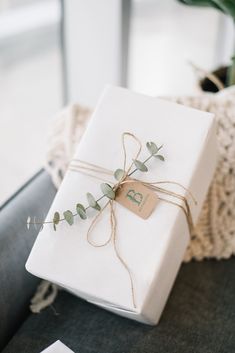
<point>57,347</point>
<point>152,248</point>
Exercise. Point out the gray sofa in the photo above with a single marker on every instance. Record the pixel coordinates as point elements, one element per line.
<point>199,315</point>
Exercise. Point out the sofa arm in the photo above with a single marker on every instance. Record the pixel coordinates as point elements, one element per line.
<point>16,285</point>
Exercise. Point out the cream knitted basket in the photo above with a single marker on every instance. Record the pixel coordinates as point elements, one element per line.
<point>215,232</point>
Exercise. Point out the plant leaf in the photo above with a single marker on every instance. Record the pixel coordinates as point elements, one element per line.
<point>140,166</point>
<point>35,223</point>
<point>28,222</point>
<point>107,190</point>
<point>56,218</point>
<point>68,215</point>
<point>226,6</point>
<point>92,201</point>
<point>152,147</point>
<point>159,156</point>
<point>54,226</point>
<point>119,174</point>
<point>81,211</point>
<point>208,3</point>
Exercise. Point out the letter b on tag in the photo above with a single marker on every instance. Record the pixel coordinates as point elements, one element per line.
<point>137,198</point>
<point>134,196</point>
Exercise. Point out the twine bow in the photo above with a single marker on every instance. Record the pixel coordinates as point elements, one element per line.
<point>96,172</point>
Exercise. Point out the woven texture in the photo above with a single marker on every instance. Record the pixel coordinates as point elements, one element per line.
<point>214,235</point>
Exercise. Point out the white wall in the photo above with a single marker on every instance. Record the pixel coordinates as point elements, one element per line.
<point>93,47</point>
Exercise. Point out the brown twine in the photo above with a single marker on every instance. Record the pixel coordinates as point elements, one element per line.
<point>92,170</point>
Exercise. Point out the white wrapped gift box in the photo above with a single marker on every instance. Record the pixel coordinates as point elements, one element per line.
<point>152,248</point>
<point>57,347</point>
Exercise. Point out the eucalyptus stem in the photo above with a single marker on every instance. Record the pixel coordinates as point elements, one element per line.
<point>97,200</point>
<point>108,192</point>
<point>145,161</point>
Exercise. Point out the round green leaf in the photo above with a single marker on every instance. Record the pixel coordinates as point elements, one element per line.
<point>81,211</point>
<point>56,218</point>
<point>36,226</point>
<point>97,207</point>
<point>119,174</point>
<point>140,166</point>
<point>28,222</point>
<point>152,147</point>
<point>107,190</point>
<point>68,215</point>
<point>159,156</point>
<point>92,201</point>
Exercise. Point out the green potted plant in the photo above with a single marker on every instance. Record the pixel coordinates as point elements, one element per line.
<point>225,74</point>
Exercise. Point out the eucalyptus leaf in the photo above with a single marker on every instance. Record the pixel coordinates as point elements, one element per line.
<point>28,222</point>
<point>152,147</point>
<point>159,156</point>
<point>81,211</point>
<point>107,190</point>
<point>119,174</point>
<point>68,215</point>
<point>140,166</point>
<point>56,218</point>
<point>35,223</point>
<point>97,207</point>
<point>38,226</point>
<point>92,201</point>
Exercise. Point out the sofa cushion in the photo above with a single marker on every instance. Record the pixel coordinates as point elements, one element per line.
<point>199,317</point>
<point>16,285</point>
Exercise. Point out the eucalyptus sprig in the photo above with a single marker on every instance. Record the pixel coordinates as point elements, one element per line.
<point>108,191</point>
